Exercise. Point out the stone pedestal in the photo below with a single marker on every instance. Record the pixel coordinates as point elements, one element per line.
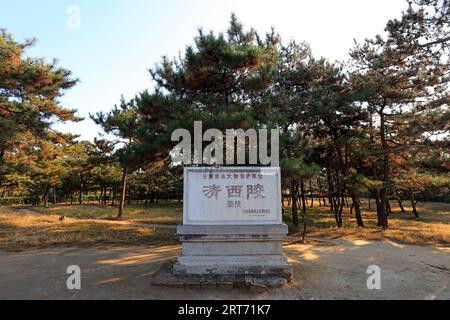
<point>233,250</point>
<point>232,224</point>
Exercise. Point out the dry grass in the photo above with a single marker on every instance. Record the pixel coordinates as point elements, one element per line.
<point>433,226</point>
<point>22,230</point>
<point>166,213</point>
<point>91,224</point>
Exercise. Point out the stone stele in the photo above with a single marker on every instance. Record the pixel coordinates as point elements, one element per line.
<point>232,223</point>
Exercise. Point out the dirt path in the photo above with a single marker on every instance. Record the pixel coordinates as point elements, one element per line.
<point>331,270</point>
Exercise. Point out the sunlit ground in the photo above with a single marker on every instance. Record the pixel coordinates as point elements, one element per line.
<point>432,227</point>
<point>23,230</point>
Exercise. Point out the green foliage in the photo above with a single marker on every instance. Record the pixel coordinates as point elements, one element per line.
<point>220,80</point>
<point>9,201</point>
<point>29,89</point>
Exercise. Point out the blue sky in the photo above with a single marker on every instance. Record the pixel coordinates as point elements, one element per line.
<point>120,40</point>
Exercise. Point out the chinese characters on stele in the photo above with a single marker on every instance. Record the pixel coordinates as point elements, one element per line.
<point>235,192</point>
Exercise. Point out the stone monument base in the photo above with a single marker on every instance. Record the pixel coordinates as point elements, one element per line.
<point>233,250</point>
<point>165,277</point>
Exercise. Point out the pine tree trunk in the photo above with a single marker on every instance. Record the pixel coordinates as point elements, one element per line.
<point>47,190</point>
<point>341,208</point>
<point>302,189</point>
<point>303,211</point>
<point>2,155</point>
<point>153,198</point>
<point>388,207</point>
<point>337,211</point>
<point>294,197</point>
<point>378,205</point>
<point>400,202</point>
<point>54,196</point>
<point>357,206</point>
<point>414,203</point>
<point>319,192</point>
<point>123,191</point>
<point>330,190</point>
<point>383,205</point>
<point>383,193</point>
<point>80,195</point>
<point>104,195</point>
<point>147,197</point>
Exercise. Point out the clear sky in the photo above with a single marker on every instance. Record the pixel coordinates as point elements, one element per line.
<point>119,40</point>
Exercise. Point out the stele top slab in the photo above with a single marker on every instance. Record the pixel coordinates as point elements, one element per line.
<point>232,196</point>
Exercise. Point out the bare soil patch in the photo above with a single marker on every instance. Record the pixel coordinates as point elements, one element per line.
<point>334,269</point>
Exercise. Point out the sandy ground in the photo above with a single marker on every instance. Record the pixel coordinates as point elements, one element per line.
<point>327,270</point>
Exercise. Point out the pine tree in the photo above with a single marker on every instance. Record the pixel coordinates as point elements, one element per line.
<point>29,92</point>
<point>123,123</point>
<point>221,77</point>
<point>403,85</point>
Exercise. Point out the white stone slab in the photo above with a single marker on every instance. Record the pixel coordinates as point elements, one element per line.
<point>232,196</point>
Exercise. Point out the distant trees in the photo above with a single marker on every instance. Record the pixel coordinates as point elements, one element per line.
<point>141,127</point>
